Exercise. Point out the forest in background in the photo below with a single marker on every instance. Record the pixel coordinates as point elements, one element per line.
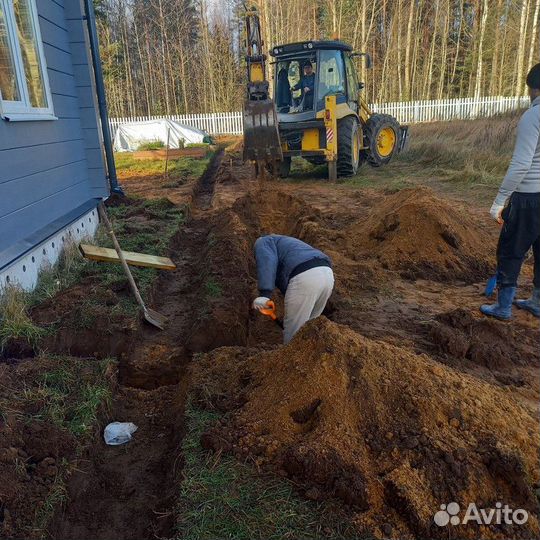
<point>187,56</point>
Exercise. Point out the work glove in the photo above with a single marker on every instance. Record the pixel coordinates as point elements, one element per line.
<point>260,303</point>
<point>496,211</point>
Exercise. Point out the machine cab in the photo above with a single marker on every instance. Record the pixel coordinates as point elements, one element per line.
<point>305,73</point>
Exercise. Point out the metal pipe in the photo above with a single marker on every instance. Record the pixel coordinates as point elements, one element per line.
<point>90,17</point>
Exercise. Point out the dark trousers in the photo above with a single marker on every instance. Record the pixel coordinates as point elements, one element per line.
<point>520,232</point>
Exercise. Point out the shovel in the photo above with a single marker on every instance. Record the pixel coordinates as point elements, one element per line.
<point>270,311</point>
<point>150,316</point>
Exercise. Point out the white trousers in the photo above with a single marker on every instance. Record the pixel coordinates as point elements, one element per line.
<point>306,296</point>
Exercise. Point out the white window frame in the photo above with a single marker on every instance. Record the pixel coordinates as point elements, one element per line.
<point>22,110</point>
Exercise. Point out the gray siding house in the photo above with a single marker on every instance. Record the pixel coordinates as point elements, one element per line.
<point>52,167</point>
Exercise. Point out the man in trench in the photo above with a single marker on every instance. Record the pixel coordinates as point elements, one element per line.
<point>517,209</point>
<point>301,272</point>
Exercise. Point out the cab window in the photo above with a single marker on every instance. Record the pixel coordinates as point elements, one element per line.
<point>289,96</point>
<point>352,81</point>
<point>331,74</point>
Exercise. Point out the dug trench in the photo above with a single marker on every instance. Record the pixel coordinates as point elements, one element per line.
<point>365,424</point>
<point>129,492</point>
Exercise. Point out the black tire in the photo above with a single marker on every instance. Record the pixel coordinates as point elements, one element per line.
<point>285,167</point>
<point>372,130</point>
<point>348,161</point>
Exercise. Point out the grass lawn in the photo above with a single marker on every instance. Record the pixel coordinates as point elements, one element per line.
<point>223,498</point>
<point>185,167</point>
<point>458,156</point>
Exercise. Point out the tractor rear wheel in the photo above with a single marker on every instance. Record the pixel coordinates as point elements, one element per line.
<point>349,135</point>
<point>381,138</point>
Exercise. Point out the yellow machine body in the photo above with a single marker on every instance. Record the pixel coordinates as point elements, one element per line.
<point>316,113</point>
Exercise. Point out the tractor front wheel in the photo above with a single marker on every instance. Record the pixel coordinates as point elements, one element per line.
<point>381,138</point>
<point>349,136</point>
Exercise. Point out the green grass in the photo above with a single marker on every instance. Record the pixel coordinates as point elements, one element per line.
<point>459,155</point>
<point>212,288</point>
<point>222,498</point>
<point>68,400</point>
<point>151,235</point>
<point>198,145</point>
<point>15,323</point>
<point>57,496</point>
<point>152,145</point>
<point>66,272</point>
<point>177,169</point>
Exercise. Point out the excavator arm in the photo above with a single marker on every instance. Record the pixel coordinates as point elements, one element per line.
<point>261,136</point>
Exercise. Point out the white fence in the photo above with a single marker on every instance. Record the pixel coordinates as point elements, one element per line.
<point>224,123</point>
<point>413,112</point>
<point>406,112</point>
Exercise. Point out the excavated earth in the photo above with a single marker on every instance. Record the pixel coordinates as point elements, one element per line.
<point>400,398</point>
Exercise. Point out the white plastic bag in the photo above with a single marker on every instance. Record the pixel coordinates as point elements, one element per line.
<point>119,433</point>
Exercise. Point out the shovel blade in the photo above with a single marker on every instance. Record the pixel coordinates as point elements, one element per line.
<point>261,136</point>
<point>154,318</point>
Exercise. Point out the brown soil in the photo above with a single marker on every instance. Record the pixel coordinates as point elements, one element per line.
<point>33,451</point>
<point>418,234</point>
<point>488,342</point>
<point>389,432</point>
<point>67,313</point>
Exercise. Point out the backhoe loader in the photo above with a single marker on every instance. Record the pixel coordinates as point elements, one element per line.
<point>317,111</point>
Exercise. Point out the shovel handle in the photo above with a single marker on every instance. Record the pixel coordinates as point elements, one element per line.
<point>105,218</point>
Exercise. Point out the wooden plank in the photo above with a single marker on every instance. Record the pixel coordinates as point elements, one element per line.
<point>96,253</point>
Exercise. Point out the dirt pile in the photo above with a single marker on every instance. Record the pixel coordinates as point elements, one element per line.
<point>391,433</point>
<point>422,236</point>
<point>484,341</point>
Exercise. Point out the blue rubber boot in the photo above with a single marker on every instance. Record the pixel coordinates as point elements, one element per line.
<point>532,304</point>
<point>503,308</point>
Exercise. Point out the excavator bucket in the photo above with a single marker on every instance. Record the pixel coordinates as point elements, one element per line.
<point>261,136</point>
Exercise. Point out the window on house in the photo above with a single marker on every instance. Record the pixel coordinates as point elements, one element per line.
<point>24,87</point>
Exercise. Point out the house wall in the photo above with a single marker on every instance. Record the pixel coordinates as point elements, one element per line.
<point>50,168</point>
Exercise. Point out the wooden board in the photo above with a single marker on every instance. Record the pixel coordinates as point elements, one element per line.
<point>96,253</point>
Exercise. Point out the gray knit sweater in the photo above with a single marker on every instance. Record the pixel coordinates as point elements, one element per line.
<point>523,174</point>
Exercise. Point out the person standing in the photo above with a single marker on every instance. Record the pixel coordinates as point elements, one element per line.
<point>517,209</point>
<point>301,272</point>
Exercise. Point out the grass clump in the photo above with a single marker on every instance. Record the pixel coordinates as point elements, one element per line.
<point>198,145</point>
<point>222,498</point>
<point>63,274</point>
<point>57,496</point>
<point>151,145</point>
<point>68,400</point>
<point>212,288</point>
<point>15,323</point>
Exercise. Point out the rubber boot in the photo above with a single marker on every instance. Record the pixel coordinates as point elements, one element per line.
<point>503,308</point>
<point>532,304</point>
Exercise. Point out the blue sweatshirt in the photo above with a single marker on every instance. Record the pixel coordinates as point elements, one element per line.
<point>280,258</point>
